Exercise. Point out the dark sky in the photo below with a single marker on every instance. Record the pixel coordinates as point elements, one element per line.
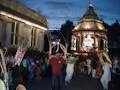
<point>58,11</point>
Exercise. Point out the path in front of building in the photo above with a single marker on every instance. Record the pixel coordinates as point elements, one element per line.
<point>83,82</point>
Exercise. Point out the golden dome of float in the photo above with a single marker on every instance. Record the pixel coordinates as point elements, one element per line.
<point>89,34</point>
<point>90,20</point>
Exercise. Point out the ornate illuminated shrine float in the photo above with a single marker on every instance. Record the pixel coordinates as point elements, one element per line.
<point>90,36</point>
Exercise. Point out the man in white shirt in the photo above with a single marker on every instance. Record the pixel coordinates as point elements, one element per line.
<point>69,69</point>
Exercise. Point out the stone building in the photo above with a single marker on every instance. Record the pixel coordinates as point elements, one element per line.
<point>17,21</point>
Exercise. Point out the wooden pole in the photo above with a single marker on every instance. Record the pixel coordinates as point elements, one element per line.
<point>4,69</point>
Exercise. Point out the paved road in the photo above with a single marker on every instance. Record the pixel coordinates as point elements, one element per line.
<point>83,82</point>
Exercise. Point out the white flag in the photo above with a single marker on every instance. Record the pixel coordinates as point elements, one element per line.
<point>19,56</point>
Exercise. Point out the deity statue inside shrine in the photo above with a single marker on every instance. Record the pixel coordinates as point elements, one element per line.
<point>88,42</point>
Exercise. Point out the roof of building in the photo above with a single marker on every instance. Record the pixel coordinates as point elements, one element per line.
<point>16,8</point>
<point>90,21</point>
<point>90,14</point>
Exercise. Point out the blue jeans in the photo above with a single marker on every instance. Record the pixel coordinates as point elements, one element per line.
<point>57,82</point>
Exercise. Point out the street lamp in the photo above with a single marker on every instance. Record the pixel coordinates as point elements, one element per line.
<point>56,43</point>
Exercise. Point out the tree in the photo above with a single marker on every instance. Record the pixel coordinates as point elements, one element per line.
<point>46,43</point>
<point>66,31</point>
<point>115,34</point>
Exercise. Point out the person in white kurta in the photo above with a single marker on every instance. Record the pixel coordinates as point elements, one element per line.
<point>69,68</point>
<point>106,77</point>
<point>2,85</point>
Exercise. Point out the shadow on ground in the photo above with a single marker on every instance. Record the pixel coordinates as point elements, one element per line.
<point>82,82</point>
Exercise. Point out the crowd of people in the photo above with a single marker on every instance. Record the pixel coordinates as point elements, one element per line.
<point>95,66</point>
<point>33,66</point>
<point>62,68</point>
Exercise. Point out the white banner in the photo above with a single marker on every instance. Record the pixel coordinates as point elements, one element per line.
<point>19,56</point>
